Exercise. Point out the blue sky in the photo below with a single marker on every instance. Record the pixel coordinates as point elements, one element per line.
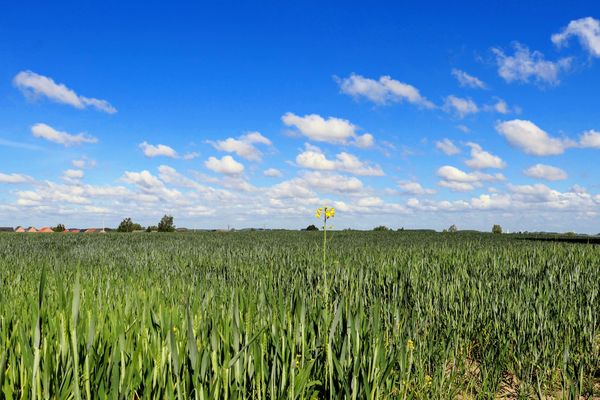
<point>420,115</point>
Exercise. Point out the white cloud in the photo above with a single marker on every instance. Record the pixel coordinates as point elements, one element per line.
<point>457,186</point>
<point>547,172</point>
<point>35,85</point>
<point>152,188</point>
<point>272,173</point>
<point>190,156</point>
<point>226,165</point>
<point>162,150</point>
<point>364,141</point>
<point>72,175</point>
<point>83,162</point>
<point>587,30</point>
<point>460,181</point>
<point>158,150</point>
<point>332,130</point>
<point>414,188</point>
<point>371,201</point>
<point>382,91</point>
<point>66,139</point>
<point>466,80</point>
<point>529,138</point>
<point>15,178</point>
<point>525,65</point>
<point>332,183</point>
<point>463,128</point>
<point>293,189</point>
<point>313,158</point>
<point>501,107</point>
<point>447,147</point>
<point>462,107</point>
<point>590,139</point>
<point>481,159</point>
<point>243,146</point>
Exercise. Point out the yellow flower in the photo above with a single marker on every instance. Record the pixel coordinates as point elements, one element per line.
<point>318,213</point>
<point>428,380</point>
<point>410,345</point>
<point>330,212</point>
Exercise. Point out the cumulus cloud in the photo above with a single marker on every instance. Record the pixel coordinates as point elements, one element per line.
<point>447,147</point>
<point>547,172</point>
<point>162,150</point>
<point>463,128</point>
<point>66,139</point>
<point>158,150</point>
<point>332,130</point>
<point>587,30</point>
<point>190,156</point>
<point>83,162</point>
<point>272,173</point>
<point>371,201</point>
<point>529,138</point>
<point>382,91</point>
<point>364,141</point>
<point>225,165</point>
<point>152,188</point>
<point>332,183</point>
<point>72,175</point>
<point>466,80</point>
<point>590,139</point>
<point>501,107</point>
<point>243,146</point>
<point>15,178</point>
<point>461,181</point>
<point>461,107</point>
<point>34,85</point>
<point>414,188</point>
<point>313,158</point>
<point>481,159</point>
<point>525,66</point>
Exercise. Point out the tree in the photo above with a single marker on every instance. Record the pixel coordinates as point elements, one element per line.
<point>497,229</point>
<point>126,225</point>
<point>381,228</point>
<point>311,228</point>
<point>453,229</point>
<point>59,228</point>
<point>152,228</point>
<point>166,224</point>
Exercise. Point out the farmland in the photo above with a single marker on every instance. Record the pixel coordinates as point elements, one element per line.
<point>250,315</point>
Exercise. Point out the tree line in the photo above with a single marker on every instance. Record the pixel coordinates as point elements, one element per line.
<point>165,225</point>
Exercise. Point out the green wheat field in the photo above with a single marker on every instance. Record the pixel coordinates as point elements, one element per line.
<point>251,315</point>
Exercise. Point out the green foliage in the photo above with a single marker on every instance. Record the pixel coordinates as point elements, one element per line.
<point>453,229</point>
<point>497,229</point>
<point>200,315</point>
<point>166,224</point>
<point>152,228</point>
<point>127,225</point>
<point>381,228</point>
<point>311,228</point>
<point>59,228</point>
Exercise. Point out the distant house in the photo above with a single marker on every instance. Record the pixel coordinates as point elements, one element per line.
<point>6,229</point>
<point>91,230</point>
<point>31,229</point>
<point>20,229</point>
<point>45,230</point>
